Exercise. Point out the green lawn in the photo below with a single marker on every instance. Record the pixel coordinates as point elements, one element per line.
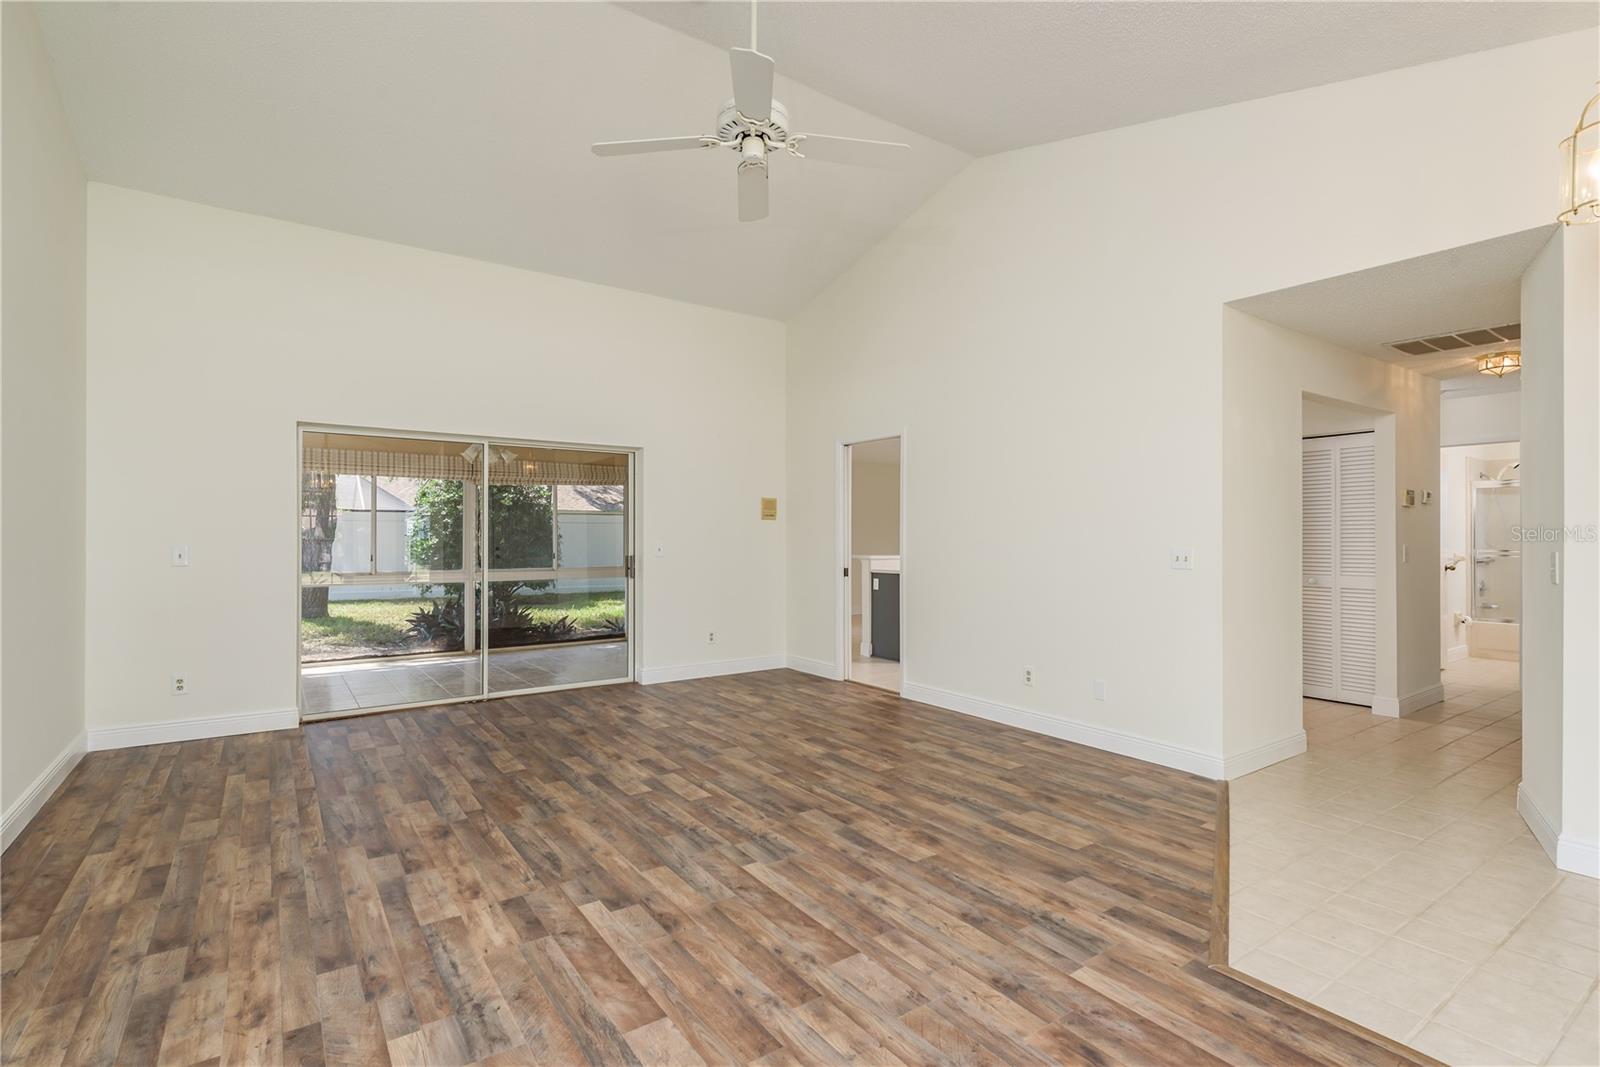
<point>358,627</point>
<point>378,627</point>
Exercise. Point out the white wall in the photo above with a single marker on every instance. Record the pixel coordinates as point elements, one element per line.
<point>1458,467</point>
<point>1321,418</point>
<point>212,332</point>
<point>1267,372</point>
<point>1561,497</point>
<point>1579,848</point>
<point>1064,303</point>
<point>41,429</point>
<point>1484,418</point>
<point>1542,403</point>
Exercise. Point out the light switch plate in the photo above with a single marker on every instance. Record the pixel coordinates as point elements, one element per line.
<point>180,555</point>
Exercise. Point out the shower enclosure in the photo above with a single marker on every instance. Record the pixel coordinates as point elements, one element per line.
<point>1496,554</point>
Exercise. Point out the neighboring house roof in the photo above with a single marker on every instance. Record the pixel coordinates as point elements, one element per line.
<point>350,494</point>
<point>588,498</point>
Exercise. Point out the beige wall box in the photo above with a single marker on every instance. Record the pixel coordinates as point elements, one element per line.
<point>769,507</point>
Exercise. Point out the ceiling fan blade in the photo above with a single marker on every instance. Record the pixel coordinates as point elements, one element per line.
<point>654,144</point>
<point>852,150</point>
<point>752,191</point>
<point>752,83</point>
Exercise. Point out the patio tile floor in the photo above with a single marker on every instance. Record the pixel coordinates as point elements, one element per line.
<point>333,687</point>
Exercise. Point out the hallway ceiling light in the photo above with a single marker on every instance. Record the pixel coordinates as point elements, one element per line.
<point>1500,364</point>
<point>1580,168</point>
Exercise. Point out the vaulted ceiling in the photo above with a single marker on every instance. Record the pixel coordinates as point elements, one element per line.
<point>991,76</point>
<point>464,127</point>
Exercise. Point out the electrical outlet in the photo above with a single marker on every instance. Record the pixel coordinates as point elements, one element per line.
<point>1099,688</point>
<point>1027,676</point>
<point>711,638</point>
<point>180,685</point>
<point>1182,559</point>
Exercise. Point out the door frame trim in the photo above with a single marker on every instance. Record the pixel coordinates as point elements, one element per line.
<point>841,552</point>
<point>631,496</point>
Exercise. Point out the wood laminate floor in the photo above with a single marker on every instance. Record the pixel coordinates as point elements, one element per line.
<point>763,869</point>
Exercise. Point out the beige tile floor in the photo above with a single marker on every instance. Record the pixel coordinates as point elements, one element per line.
<point>1386,875</point>
<point>351,687</point>
<point>869,670</point>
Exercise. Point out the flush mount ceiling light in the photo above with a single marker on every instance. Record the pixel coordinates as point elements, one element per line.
<point>1580,168</point>
<point>1500,364</point>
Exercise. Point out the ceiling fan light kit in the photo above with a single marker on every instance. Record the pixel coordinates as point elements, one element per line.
<point>756,126</point>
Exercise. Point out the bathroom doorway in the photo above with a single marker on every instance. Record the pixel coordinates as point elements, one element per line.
<point>873,573</point>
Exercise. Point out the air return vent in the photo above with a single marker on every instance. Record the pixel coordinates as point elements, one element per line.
<point>1449,342</point>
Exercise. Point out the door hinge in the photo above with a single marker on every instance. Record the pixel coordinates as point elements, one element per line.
<point>847,572</point>
<point>628,564</point>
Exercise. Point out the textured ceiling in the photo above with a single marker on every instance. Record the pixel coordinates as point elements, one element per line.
<point>465,128</point>
<point>988,76</point>
<point>1474,286</point>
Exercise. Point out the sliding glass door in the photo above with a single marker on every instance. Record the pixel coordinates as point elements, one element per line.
<point>442,569</point>
<point>557,554</point>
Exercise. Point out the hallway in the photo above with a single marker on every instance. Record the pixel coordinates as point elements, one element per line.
<point>1357,866</point>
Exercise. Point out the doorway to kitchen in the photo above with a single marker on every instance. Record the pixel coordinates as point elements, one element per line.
<point>437,569</point>
<point>873,571</point>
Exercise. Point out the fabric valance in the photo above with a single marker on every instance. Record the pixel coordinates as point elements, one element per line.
<point>516,471</point>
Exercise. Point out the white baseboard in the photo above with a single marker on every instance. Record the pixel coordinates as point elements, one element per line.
<point>1266,755</point>
<point>1456,652</point>
<point>1408,704</point>
<point>1578,856</point>
<point>161,733</point>
<point>1124,744</point>
<point>820,668</point>
<point>1567,851</point>
<point>26,806</point>
<point>713,669</point>
<point>1535,817</point>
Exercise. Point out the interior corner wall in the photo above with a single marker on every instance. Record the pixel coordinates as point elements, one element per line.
<point>1560,572</point>
<point>1579,846</point>
<point>1060,306</point>
<point>1580,842</point>
<point>213,333</point>
<point>41,429</point>
<point>1267,370</point>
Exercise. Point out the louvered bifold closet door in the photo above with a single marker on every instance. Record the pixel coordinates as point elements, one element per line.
<point>1356,521</point>
<point>1316,558</point>
<point>1338,551</point>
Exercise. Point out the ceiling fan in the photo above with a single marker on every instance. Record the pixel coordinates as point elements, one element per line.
<point>757,126</point>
